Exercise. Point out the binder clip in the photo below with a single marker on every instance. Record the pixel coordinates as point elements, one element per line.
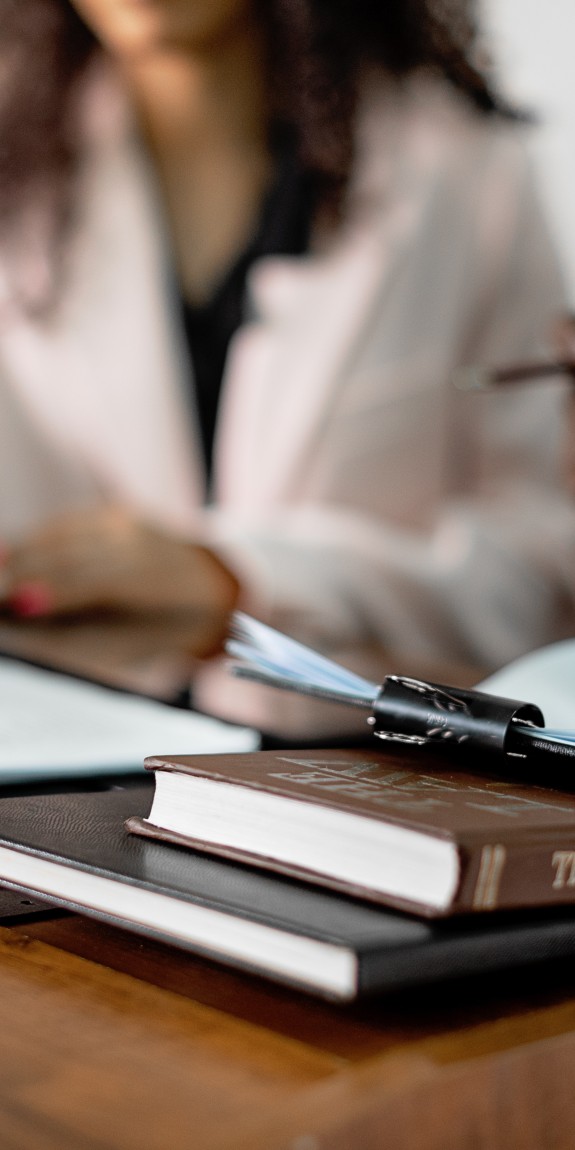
<point>416,713</point>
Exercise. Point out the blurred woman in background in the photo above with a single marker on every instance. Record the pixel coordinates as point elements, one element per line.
<point>244,245</point>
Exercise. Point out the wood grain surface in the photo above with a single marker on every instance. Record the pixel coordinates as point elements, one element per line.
<point>116,1043</point>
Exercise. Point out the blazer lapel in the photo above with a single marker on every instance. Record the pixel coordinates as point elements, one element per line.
<point>284,368</point>
<point>105,376</point>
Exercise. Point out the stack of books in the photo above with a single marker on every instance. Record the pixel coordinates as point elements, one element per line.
<point>341,872</point>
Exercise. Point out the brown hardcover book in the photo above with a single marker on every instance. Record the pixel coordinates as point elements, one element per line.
<point>377,826</point>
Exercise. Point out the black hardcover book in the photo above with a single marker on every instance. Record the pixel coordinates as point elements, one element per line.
<point>73,851</point>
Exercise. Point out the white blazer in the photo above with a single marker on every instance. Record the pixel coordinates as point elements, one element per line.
<point>360,496</point>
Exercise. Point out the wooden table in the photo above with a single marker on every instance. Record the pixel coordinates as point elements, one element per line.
<point>110,1042</point>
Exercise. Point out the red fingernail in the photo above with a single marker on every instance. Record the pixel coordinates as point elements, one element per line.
<point>31,599</point>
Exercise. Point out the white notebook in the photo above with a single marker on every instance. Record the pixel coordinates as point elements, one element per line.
<point>545,677</point>
<point>55,726</point>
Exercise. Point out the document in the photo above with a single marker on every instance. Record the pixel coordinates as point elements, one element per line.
<point>55,726</point>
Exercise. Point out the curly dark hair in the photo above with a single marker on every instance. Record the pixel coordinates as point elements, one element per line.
<point>316,48</point>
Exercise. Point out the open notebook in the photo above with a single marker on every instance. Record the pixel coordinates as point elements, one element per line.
<point>546,676</point>
<point>55,726</point>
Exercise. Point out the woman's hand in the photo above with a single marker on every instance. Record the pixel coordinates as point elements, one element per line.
<point>106,560</point>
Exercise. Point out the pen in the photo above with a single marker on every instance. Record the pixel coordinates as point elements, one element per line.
<point>475,378</point>
<point>467,727</point>
<point>506,736</point>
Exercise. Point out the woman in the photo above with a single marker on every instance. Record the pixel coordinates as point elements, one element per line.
<point>316,211</point>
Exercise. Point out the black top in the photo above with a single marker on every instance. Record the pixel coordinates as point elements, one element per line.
<point>283,229</point>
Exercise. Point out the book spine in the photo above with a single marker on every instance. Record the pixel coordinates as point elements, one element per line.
<point>500,876</point>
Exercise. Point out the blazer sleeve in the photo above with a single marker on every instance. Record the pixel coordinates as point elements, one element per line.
<point>490,572</point>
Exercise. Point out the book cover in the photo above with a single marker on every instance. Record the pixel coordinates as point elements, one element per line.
<point>72,850</point>
<point>381,826</point>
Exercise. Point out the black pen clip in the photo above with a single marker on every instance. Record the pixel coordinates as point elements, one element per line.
<point>417,713</point>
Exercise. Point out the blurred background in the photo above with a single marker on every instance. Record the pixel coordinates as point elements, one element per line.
<point>532,43</point>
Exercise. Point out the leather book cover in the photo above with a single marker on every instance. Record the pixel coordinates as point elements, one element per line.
<point>515,843</point>
<point>51,845</point>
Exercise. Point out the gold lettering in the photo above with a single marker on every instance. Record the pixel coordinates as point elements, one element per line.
<point>564,862</point>
<point>334,766</point>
